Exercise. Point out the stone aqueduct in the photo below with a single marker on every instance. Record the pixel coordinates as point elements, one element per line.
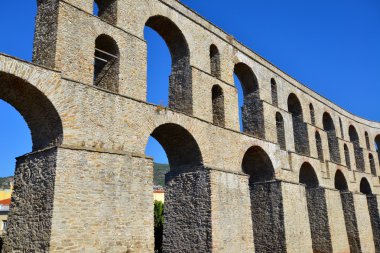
<point>302,177</point>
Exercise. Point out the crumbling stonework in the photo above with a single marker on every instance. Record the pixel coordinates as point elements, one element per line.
<point>87,185</point>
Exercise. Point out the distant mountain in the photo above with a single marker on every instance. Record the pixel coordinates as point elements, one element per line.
<point>159,173</point>
<point>5,182</point>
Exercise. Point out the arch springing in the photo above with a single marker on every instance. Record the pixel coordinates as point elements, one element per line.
<point>106,63</point>
<point>358,152</point>
<point>180,80</point>
<point>280,131</point>
<point>274,92</point>
<point>218,105</point>
<point>329,127</point>
<point>301,137</point>
<point>106,10</point>
<point>214,61</point>
<point>318,142</point>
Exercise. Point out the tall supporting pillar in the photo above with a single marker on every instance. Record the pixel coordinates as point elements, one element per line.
<point>72,200</point>
<point>280,217</point>
<point>187,225</point>
<point>364,223</point>
<point>373,207</point>
<point>339,239</point>
<point>231,213</point>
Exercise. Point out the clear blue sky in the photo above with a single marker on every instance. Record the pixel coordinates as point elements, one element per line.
<point>332,47</point>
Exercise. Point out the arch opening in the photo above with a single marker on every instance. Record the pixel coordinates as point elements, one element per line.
<point>318,142</point>
<point>39,113</point>
<point>273,86</point>
<point>340,181</point>
<point>180,79</point>
<point>358,151</point>
<point>257,164</point>
<point>341,128</point>
<point>372,165</point>
<point>106,63</point>
<point>106,10</point>
<point>365,187</point>
<point>214,61</point>
<point>308,176</point>
<point>280,131</point>
<point>347,157</point>
<point>329,127</point>
<point>377,146</point>
<point>218,105</point>
<point>312,114</point>
<point>367,141</point>
<point>187,191</point>
<point>301,137</point>
<point>252,114</point>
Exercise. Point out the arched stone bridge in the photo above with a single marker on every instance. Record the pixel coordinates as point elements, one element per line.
<point>302,177</point>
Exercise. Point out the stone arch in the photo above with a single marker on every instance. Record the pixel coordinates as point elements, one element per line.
<point>106,10</point>
<point>312,114</point>
<point>257,164</point>
<point>106,63</point>
<point>340,181</point>
<point>38,111</point>
<point>280,131</point>
<point>180,146</point>
<point>367,140</point>
<point>215,61</point>
<point>274,94</point>
<point>358,152</point>
<point>307,176</point>
<point>329,127</point>
<point>187,191</point>
<point>372,164</point>
<point>318,142</point>
<point>180,80</point>
<point>347,156</point>
<point>252,109</point>
<point>218,105</point>
<point>301,138</point>
<point>365,187</point>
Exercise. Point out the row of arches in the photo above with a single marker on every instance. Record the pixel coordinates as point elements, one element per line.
<point>252,118</point>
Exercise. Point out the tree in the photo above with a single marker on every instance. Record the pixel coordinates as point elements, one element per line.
<point>158,225</point>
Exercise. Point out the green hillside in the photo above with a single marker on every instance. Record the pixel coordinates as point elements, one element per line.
<point>159,173</point>
<point>5,182</point>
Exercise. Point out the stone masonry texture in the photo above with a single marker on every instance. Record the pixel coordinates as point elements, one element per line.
<point>87,184</point>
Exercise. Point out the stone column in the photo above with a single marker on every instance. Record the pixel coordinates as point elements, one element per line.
<point>373,207</point>
<point>69,199</point>
<point>187,225</point>
<point>280,217</point>
<point>231,213</point>
<point>339,239</point>
<point>350,219</point>
<point>364,223</point>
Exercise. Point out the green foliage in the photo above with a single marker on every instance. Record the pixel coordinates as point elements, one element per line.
<point>158,225</point>
<point>5,182</point>
<point>159,173</point>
